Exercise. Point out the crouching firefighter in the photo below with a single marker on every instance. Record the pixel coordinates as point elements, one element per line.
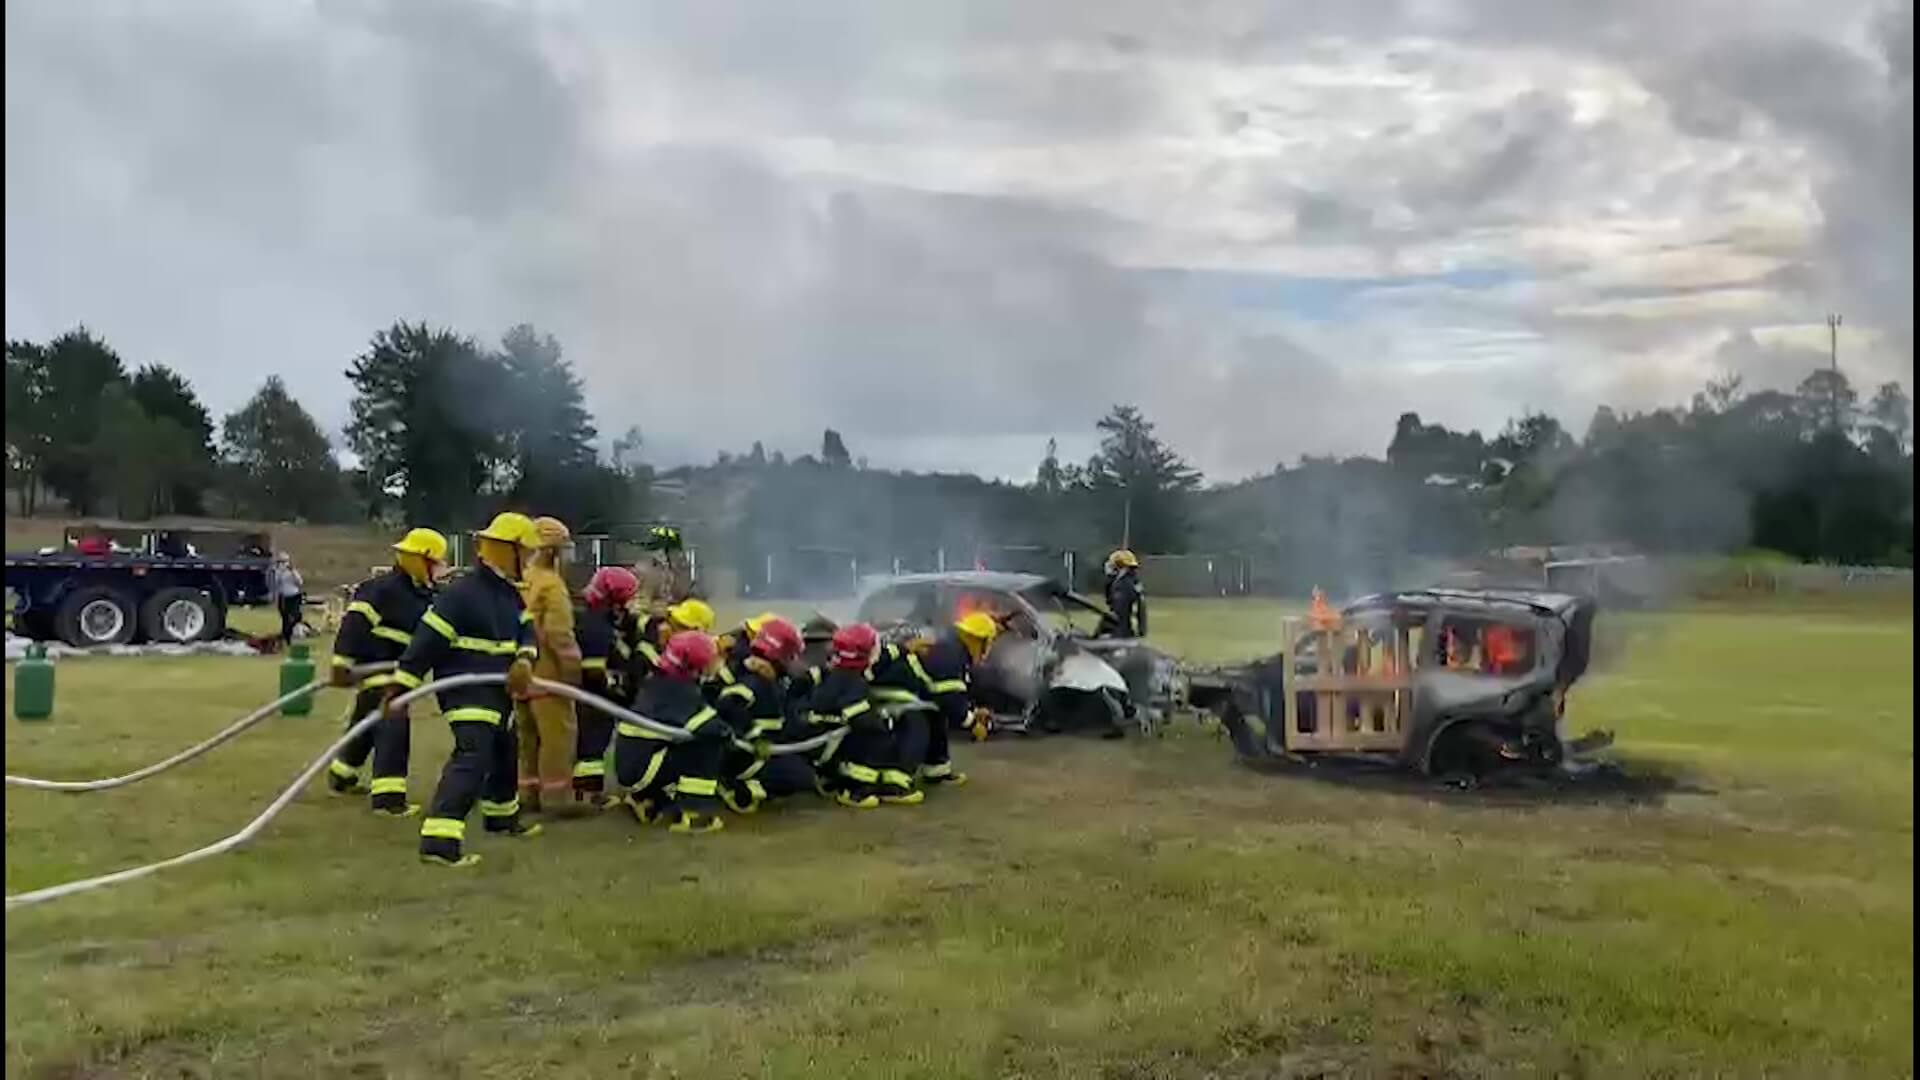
<point>675,782</point>
<point>479,625</point>
<point>379,623</point>
<point>601,625</point>
<point>848,769</point>
<point>755,707</point>
<point>650,636</point>
<point>940,672</point>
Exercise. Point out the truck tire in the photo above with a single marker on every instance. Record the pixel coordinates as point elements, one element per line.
<point>97,616</point>
<point>180,616</point>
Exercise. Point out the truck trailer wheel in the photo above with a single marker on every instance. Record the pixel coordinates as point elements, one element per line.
<point>96,616</point>
<point>180,616</point>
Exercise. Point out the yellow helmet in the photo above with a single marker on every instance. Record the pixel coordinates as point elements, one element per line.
<point>511,528</point>
<point>977,625</point>
<point>552,532</point>
<point>1123,557</point>
<point>423,542</point>
<point>692,614</point>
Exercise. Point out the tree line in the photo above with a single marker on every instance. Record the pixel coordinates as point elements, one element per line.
<point>444,429</point>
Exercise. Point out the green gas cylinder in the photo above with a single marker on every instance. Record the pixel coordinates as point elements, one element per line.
<point>295,673</point>
<point>33,685</point>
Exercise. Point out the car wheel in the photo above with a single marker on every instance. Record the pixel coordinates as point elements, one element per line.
<point>96,616</point>
<point>180,616</point>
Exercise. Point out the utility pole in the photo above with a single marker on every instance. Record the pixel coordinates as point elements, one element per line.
<point>1126,523</point>
<point>1833,353</point>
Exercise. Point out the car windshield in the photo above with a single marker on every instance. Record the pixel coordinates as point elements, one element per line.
<point>1064,612</point>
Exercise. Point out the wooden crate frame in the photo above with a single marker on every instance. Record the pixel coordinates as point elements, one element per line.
<point>1384,698</point>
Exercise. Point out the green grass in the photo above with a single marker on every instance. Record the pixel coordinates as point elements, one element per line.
<point>1081,909</point>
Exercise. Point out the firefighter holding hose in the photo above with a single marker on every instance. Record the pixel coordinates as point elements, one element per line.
<point>478,625</point>
<point>600,623</point>
<point>378,625</point>
<point>546,728</point>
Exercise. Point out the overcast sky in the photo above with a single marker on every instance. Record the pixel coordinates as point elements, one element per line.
<point>951,230</point>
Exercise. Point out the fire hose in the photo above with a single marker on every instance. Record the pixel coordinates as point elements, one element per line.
<point>312,769</point>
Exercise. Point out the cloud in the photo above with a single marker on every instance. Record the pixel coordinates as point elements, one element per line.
<point>951,231</point>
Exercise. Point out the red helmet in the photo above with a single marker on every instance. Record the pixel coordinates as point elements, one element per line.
<point>853,646</point>
<point>612,586</point>
<point>688,654</point>
<point>778,640</point>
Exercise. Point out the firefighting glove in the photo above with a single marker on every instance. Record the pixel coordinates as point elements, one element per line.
<point>387,707</point>
<point>340,677</point>
<point>979,724</point>
<point>520,678</point>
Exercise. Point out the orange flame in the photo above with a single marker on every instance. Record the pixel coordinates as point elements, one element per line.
<point>1321,615</point>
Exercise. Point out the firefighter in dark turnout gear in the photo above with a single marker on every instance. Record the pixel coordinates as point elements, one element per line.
<point>479,625</point>
<point>379,623</point>
<point>755,707</point>
<point>1126,600</point>
<point>941,672</point>
<point>599,625</point>
<point>651,635</point>
<point>675,782</point>
<point>848,771</point>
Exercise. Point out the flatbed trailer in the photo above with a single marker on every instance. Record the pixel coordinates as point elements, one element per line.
<point>124,598</point>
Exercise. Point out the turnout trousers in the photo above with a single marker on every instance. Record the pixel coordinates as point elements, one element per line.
<point>548,740</point>
<point>674,777</point>
<point>594,735</point>
<point>480,769</point>
<point>389,743</point>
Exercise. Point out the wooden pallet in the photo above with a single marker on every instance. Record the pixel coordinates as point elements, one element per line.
<point>1359,696</point>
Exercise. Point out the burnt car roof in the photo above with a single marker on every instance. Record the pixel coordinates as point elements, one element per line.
<point>1537,600</point>
<point>1002,580</point>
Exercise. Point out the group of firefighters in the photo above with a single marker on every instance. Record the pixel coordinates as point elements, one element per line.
<point>519,751</point>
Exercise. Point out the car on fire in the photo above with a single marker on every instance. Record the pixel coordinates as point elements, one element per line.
<point>1454,683</point>
<point>1046,671</point>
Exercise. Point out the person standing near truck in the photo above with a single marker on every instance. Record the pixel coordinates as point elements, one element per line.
<point>289,593</point>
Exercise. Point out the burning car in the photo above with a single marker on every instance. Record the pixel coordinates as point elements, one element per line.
<point>1456,683</point>
<point>1046,670</point>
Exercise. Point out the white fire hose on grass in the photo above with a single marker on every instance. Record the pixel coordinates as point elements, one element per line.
<point>286,797</point>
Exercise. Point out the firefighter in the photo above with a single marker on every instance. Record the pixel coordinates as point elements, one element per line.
<point>478,624</point>
<point>675,782</point>
<point>545,723</point>
<point>939,671</point>
<point>848,771</point>
<point>599,625</point>
<point>736,645</point>
<point>1126,600</point>
<point>652,634</point>
<point>380,621</point>
<point>754,706</point>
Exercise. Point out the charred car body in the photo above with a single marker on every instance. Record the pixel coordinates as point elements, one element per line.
<point>1446,682</point>
<point>1045,671</point>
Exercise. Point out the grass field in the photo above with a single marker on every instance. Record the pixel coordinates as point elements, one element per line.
<point>1082,908</point>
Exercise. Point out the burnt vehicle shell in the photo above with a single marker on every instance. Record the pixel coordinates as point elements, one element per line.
<point>1448,720</point>
<point>1036,671</point>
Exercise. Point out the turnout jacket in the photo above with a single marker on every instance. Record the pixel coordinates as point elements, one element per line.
<point>380,621</point>
<point>940,673</point>
<point>478,625</point>
<point>676,703</point>
<point>754,705</point>
<point>1128,602</point>
<point>841,699</point>
<point>598,633</point>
